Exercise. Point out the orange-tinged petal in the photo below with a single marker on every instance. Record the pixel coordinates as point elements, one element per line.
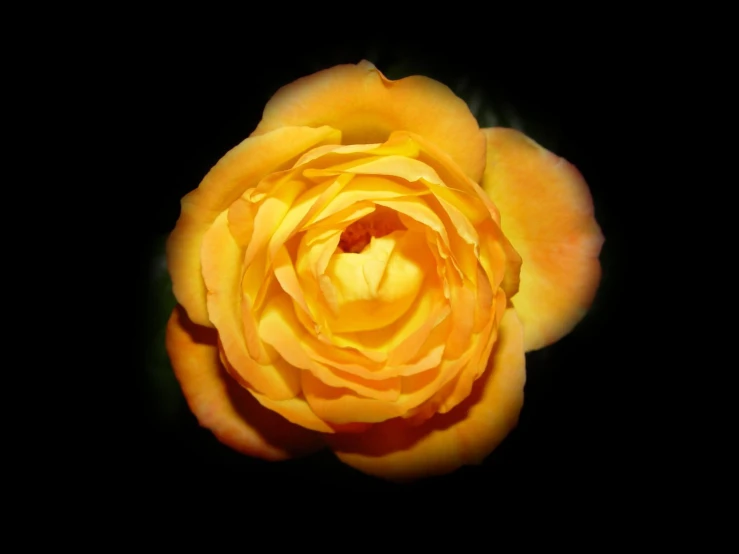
<point>287,277</point>
<point>257,280</point>
<point>222,274</point>
<point>280,328</point>
<point>466,435</point>
<point>457,390</point>
<point>367,108</point>
<point>222,405</point>
<point>297,411</point>
<point>348,403</point>
<point>304,208</point>
<point>270,215</point>
<point>241,219</point>
<point>344,218</point>
<point>400,341</point>
<point>418,210</point>
<point>314,252</point>
<point>463,303</point>
<point>408,169</point>
<point>367,187</point>
<point>449,172</point>
<point>501,262</point>
<point>342,405</point>
<point>485,301</point>
<point>430,353</point>
<point>240,169</point>
<point>547,214</point>
<point>482,341</point>
<point>387,390</point>
<point>321,151</point>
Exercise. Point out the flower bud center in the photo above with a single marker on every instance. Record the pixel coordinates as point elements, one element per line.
<point>379,223</point>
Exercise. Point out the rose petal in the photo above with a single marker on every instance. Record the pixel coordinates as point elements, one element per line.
<point>457,390</point>
<point>464,206</point>
<point>343,218</point>
<point>367,107</point>
<point>488,313</point>
<point>221,259</point>
<point>400,341</point>
<point>314,253</point>
<point>378,285</point>
<point>466,435</point>
<point>272,210</point>
<point>241,168</point>
<point>328,152</point>
<point>547,213</point>
<point>297,411</point>
<point>348,403</point>
<point>418,210</point>
<point>448,171</point>
<point>224,407</point>
<point>343,405</point>
<point>367,187</point>
<point>463,303</point>
<point>280,328</point>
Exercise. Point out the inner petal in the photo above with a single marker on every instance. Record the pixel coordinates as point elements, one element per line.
<point>375,286</point>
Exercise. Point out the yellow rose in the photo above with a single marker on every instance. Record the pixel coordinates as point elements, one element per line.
<point>366,271</point>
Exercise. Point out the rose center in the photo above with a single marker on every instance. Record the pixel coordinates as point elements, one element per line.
<point>379,223</point>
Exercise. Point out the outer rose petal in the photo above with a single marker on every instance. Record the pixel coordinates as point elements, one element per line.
<point>242,167</point>
<point>547,214</point>
<point>465,435</point>
<point>367,107</point>
<point>224,407</point>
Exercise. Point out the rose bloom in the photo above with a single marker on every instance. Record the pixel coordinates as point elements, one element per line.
<point>366,271</point>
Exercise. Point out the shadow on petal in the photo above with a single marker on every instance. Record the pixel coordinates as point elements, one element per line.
<point>398,451</point>
<point>222,405</point>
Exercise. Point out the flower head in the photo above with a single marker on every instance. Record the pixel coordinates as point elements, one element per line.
<point>366,271</point>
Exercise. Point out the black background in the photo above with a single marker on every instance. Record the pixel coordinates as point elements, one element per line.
<point>186,104</point>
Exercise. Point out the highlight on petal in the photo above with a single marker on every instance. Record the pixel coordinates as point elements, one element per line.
<point>241,168</point>
<point>399,451</point>
<point>547,214</point>
<point>377,286</point>
<point>220,404</point>
<point>367,108</point>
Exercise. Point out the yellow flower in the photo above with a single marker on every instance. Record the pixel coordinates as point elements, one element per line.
<point>366,271</point>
